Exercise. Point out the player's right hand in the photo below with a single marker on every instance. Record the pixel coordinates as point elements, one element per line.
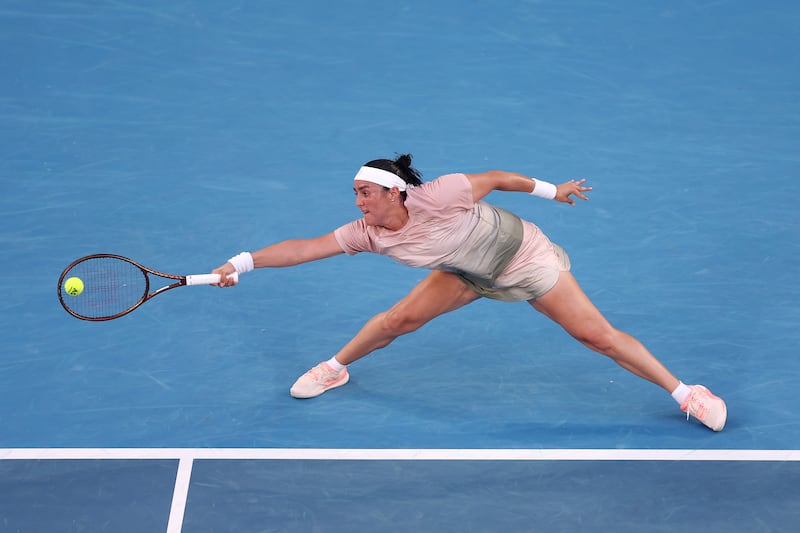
<point>224,271</point>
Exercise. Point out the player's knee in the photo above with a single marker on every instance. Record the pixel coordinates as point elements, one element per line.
<point>398,321</point>
<point>599,339</point>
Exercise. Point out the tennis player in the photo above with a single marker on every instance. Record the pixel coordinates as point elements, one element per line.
<point>474,250</point>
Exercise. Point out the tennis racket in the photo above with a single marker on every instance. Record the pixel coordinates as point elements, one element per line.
<point>111,286</point>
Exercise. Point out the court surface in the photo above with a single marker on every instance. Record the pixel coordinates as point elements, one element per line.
<point>182,133</point>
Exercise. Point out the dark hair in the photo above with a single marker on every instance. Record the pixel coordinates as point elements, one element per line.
<point>401,166</point>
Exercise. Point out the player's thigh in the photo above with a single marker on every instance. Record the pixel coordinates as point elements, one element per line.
<point>439,293</point>
<point>571,308</point>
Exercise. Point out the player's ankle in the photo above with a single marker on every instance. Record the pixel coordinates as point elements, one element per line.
<point>336,365</point>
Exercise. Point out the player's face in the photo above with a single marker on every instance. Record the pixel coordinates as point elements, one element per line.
<point>373,201</point>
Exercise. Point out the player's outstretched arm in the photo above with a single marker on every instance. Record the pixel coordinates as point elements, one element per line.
<point>284,254</point>
<point>500,180</point>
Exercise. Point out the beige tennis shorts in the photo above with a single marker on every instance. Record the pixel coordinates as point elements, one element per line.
<point>540,277</point>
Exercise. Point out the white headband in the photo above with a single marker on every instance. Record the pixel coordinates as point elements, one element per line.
<point>381,177</point>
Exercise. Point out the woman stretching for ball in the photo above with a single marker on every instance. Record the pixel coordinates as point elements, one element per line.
<point>473,250</point>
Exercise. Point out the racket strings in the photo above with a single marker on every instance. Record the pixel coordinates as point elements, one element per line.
<point>111,286</point>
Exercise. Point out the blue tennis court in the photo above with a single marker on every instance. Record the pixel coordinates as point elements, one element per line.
<point>179,134</point>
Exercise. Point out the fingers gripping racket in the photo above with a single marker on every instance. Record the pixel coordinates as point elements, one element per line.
<point>106,286</point>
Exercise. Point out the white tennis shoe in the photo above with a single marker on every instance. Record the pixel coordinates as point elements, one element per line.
<point>707,408</point>
<point>317,380</point>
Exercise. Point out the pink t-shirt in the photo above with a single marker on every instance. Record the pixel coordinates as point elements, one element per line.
<point>442,227</point>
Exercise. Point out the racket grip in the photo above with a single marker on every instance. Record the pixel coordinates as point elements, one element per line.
<point>208,279</point>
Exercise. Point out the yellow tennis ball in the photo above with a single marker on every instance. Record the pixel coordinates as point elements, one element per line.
<point>73,286</point>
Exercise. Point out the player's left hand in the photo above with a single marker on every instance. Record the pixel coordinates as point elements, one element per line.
<point>570,188</point>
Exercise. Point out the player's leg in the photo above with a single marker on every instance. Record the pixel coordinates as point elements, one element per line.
<point>439,293</point>
<point>568,305</point>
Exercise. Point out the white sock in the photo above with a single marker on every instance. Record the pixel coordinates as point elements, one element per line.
<point>336,365</point>
<point>681,392</point>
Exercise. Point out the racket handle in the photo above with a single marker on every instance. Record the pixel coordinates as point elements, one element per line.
<point>208,279</point>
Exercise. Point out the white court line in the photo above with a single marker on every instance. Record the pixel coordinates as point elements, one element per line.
<point>179,495</point>
<point>400,454</point>
<point>186,457</point>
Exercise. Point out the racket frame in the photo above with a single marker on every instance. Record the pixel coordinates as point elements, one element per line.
<point>179,281</point>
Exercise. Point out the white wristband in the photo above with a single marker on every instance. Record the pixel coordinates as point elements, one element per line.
<point>544,189</point>
<point>242,262</point>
